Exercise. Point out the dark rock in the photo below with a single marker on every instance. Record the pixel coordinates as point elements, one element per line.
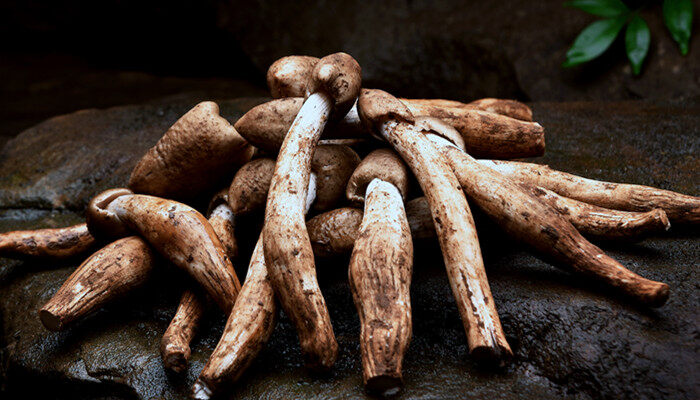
<point>571,337</point>
<point>64,161</point>
<point>463,50</point>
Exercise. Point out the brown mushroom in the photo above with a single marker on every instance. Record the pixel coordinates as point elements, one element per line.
<point>527,218</point>
<point>454,224</point>
<point>680,208</point>
<point>288,254</point>
<point>250,185</point>
<point>53,243</point>
<point>289,76</point>
<point>509,108</point>
<point>380,269</point>
<point>175,344</point>
<point>178,232</point>
<point>106,275</point>
<point>252,319</point>
<point>193,156</point>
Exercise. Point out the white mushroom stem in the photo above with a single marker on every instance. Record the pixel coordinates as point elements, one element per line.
<point>249,325</point>
<point>380,279</point>
<point>680,208</point>
<point>456,232</point>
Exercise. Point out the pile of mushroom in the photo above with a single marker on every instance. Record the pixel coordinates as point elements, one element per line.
<point>299,156</point>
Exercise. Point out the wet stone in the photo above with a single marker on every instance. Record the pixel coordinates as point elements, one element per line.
<point>571,338</point>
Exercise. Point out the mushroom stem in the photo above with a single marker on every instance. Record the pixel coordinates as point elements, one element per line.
<point>177,231</point>
<point>175,344</point>
<point>456,232</point>
<point>46,243</point>
<point>487,134</point>
<point>531,220</point>
<point>508,108</point>
<point>248,328</point>
<point>680,208</point>
<point>289,257</point>
<point>380,279</point>
<point>603,223</point>
<point>111,272</point>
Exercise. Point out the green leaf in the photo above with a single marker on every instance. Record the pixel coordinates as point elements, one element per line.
<point>678,15</point>
<point>637,39</point>
<point>602,8</point>
<point>593,41</point>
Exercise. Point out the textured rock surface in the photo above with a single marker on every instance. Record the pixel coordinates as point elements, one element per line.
<point>463,49</point>
<point>571,339</point>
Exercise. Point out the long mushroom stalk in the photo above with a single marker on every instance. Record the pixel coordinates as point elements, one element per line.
<point>248,328</point>
<point>453,221</point>
<point>175,344</point>
<point>533,221</point>
<point>55,243</point>
<point>178,232</point>
<point>680,208</point>
<point>108,274</point>
<point>603,223</point>
<point>288,253</point>
<point>380,269</point>
<point>252,319</point>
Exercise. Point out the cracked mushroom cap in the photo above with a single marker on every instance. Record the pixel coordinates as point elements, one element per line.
<point>377,106</point>
<point>289,76</point>
<point>193,156</point>
<point>333,165</point>
<point>382,164</point>
<point>339,76</point>
<point>101,222</point>
<point>248,190</point>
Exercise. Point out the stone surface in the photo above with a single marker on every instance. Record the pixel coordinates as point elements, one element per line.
<point>463,50</point>
<point>571,338</point>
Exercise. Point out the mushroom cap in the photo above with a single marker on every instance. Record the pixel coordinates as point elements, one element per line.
<point>442,129</point>
<point>289,76</point>
<point>248,190</point>
<point>383,164</point>
<point>265,126</point>
<point>339,76</point>
<point>334,232</point>
<point>196,153</point>
<point>101,222</point>
<point>333,165</point>
<point>377,106</point>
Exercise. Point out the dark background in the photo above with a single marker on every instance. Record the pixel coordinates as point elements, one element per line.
<point>61,56</point>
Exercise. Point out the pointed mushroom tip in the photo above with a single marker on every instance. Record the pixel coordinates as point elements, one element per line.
<point>200,391</point>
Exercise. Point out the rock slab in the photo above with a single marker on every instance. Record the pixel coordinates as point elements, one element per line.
<point>571,338</point>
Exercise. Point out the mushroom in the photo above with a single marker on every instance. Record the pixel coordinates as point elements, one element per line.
<point>289,76</point>
<point>53,243</point>
<point>486,134</point>
<point>178,232</point>
<point>335,84</point>
<point>527,218</point>
<point>175,344</point>
<point>248,190</point>
<point>680,208</point>
<point>380,269</point>
<point>603,223</point>
<point>252,319</point>
<point>391,120</point>
<point>193,156</point>
<point>106,275</point>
